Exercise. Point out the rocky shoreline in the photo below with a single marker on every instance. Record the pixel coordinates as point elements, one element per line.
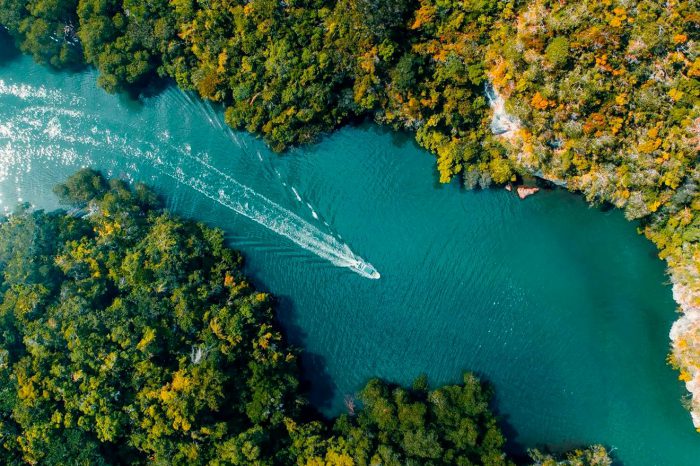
<point>685,276</point>
<point>526,191</point>
<point>685,343</point>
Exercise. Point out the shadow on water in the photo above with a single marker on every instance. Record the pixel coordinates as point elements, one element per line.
<point>135,95</point>
<point>8,51</point>
<point>512,448</point>
<point>402,139</point>
<point>399,138</point>
<point>321,392</point>
<point>519,453</point>
<point>316,383</point>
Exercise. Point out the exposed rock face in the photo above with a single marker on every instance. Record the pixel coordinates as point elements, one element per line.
<point>525,191</point>
<point>509,129</point>
<point>685,341</point>
<point>502,123</point>
<point>551,179</point>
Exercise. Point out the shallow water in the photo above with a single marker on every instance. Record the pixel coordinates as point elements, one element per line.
<point>564,308</point>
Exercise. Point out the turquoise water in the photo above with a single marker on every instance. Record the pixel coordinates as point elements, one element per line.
<point>564,308</point>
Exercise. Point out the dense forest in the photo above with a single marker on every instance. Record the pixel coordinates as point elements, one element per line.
<point>600,96</point>
<point>131,336</point>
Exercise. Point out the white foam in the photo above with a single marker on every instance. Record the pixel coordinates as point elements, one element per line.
<point>218,186</point>
<point>53,135</point>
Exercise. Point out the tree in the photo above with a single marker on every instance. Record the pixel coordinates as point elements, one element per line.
<point>557,52</point>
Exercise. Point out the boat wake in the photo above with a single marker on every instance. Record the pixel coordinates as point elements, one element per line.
<point>43,131</point>
<point>221,188</point>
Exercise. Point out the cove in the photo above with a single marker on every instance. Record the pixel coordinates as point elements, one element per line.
<point>564,308</point>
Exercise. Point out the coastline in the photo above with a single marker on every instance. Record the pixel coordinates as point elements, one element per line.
<point>685,353</point>
<point>684,334</point>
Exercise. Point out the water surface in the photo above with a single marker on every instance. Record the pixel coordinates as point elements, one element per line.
<point>564,308</point>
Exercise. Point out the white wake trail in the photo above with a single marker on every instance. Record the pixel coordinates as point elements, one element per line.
<point>222,188</point>
<point>46,135</point>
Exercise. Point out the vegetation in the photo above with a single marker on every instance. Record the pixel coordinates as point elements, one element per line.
<point>130,336</point>
<point>603,93</point>
<point>450,426</point>
<point>129,327</point>
<point>595,455</point>
<point>44,29</point>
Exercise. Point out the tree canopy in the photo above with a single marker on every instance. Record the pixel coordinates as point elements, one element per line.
<point>132,334</point>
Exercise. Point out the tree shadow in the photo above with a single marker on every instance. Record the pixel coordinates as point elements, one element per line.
<point>400,138</point>
<point>149,87</point>
<point>519,452</point>
<point>512,448</point>
<point>8,51</point>
<point>605,207</point>
<point>317,385</point>
<point>135,96</point>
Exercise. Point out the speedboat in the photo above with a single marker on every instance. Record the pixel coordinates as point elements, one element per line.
<point>365,269</point>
